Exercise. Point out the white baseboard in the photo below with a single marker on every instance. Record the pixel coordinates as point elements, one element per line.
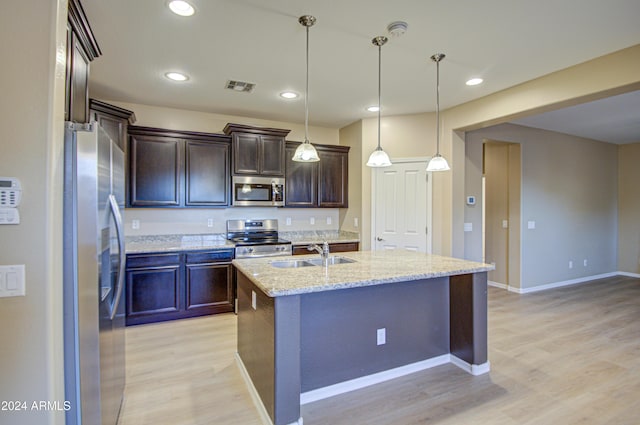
<point>497,284</point>
<point>264,415</point>
<point>474,369</point>
<point>375,378</point>
<point>560,284</point>
<point>627,274</point>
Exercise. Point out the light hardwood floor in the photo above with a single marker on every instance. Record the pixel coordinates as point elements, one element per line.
<point>563,356</point>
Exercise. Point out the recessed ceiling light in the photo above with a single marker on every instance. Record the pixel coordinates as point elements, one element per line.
<point>176,76</point>
<point>181,7</point>
<point>373,108</point>
<point>474,81</point>
<point>289,95</point>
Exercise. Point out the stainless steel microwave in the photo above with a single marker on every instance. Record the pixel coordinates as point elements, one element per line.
<point>258,191</point>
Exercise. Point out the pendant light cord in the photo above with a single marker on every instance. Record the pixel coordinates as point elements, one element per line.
<point>306,97</point>
<point>379,90</point>
<point>438,107</point>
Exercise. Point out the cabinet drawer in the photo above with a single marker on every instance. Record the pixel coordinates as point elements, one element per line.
<point>210,256</point>
<point>146,260</point>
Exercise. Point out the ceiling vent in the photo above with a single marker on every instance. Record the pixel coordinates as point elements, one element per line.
<point>240,86</point>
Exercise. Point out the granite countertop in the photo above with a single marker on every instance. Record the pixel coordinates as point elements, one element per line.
<point>169,243</point>
<point>370,268</point>
<point>319,236</point>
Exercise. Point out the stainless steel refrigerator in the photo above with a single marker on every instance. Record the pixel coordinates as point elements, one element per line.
<point>94,260</point>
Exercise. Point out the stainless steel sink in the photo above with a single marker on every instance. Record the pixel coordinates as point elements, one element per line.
<point>331,261</point>
<point>290,264</point>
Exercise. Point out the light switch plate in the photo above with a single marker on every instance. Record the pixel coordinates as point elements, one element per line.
<point>468,227</point>
<point>12,283</point>
<point>531,224</point>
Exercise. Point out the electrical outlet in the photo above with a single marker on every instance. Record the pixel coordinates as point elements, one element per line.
<point>585,262</point>
<point>570,264</point>
<point>210,222</point>
<point>355,224</point>
<point>381,336</point>
<point>135,224</point>
<point>312,220</point>
<point>328,220</point>
<point>254,303</point>
<point>288,221</point>
<point>531,224</point>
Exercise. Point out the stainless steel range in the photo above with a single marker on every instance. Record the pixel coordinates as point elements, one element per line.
<point>257,238</point>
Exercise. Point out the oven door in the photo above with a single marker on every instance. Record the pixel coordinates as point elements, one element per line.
<point>258,191</point>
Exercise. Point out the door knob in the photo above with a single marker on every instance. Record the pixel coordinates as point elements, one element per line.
<point>379,239</point>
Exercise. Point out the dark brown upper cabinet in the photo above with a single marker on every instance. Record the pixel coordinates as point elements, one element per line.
<point>257,151</point>
<point>322,184</point>
<point>169,168</point>
<point>113,119</point>
<point>82,48</point>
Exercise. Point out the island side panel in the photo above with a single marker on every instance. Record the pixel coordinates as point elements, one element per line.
<point>339,328</point>
<point>468,295</point>
<point>256,340</point>
<point>287,359</point>
<point>269,346</point>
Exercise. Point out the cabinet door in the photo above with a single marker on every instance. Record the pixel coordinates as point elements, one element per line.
<point>155,171</point>
<point>209,288</point>
<point>116,128</point>
<point>301,182</point>
<point>153,294</point>
<point>246,153</point>
<point>272,163</point>
<point>344,246</point>
<point>78,81</point>
<point>207,174</point>
<point>333,179</point>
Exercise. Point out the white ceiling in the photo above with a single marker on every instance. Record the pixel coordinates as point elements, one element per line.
<point>505,42</point>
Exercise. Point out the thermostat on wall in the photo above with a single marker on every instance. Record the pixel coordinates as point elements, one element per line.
<point>10,192</point>
<point>471,200</point>
<point>10,195</point>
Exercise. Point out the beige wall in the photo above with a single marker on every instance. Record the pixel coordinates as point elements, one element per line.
<point>608,75</point>
<point>350,218</point>
<point>31,119</point>
<point>629,208</point>
<point>569,188</point>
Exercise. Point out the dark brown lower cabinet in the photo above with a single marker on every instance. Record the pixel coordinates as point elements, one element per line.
<point>333,247</point>
<point>170,286</point>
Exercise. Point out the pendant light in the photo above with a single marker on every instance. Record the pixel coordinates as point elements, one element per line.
<point>305,151</point>
<point>378,157</point>
<point>438,163</point>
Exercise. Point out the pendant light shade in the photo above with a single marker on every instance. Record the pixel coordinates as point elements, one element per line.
<point>438,163</point>
<point>378,157</point>
<point>306,152</point>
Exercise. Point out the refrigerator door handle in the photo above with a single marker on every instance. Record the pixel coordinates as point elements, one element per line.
<point>117,218</point>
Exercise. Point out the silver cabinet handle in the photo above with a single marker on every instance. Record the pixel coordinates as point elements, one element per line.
<point>379,239</point>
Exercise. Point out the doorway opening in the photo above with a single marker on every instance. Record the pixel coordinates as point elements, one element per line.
<point>502,177</point>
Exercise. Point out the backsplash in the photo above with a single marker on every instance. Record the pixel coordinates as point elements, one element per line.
<point>168,221</point>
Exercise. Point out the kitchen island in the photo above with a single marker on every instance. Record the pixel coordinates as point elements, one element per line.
<point>309,332</point>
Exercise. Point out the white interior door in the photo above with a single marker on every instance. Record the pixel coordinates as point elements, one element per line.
<point>402,207</point>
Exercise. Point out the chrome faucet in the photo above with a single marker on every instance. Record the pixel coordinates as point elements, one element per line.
<point>322,250</point>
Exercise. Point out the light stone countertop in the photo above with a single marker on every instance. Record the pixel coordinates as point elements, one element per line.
<point>170,243</point>
<point>370,268</point>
